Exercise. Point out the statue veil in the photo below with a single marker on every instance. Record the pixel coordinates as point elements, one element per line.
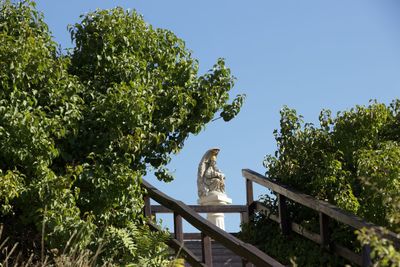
<point>201,187</point>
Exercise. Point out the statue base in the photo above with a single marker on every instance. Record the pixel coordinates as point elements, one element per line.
<point>216,198</point>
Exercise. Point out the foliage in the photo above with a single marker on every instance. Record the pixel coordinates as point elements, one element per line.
<point>74,255</point>
<point>79,131</point>
<point>350,160</point>
<point>383,251</point>
<point>382,184</point>
<point>263,233</point>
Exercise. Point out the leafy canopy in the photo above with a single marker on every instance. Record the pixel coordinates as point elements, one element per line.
<point>343,160</point>
<point>79,130</point>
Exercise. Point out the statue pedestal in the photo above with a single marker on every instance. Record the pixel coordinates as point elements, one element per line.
<point>216,199</point>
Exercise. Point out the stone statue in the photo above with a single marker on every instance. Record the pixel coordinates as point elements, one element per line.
<point>209,177</point>
<point>211,186</point>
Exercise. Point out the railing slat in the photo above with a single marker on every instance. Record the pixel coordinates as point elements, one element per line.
<point>284,220</point>
<point>147,206</point>
<point>206,249</point>
<point>178,231</point>
<point>244,217</point>
<point>347,254</point>
<point>249,200</point>
<point>324,230</point>
<point>365,254</point>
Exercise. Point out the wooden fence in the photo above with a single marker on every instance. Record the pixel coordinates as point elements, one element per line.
<point>250,254</point>
<point>326,213</point>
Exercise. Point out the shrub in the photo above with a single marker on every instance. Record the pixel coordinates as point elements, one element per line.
<point>78,131</point>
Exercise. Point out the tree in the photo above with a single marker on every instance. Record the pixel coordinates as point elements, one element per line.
<point>350,160</point>
<point>79,130</point>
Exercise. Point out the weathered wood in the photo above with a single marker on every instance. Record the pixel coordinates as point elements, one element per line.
<point>204,209</point>
<point>206,249</point>
<point>284,220</point>
<point>339,250</point>
<point>244,250</point>
<point>246,263</point>
<point>147,206</point>
<point>178,230</point>
<point>297,228</point>
<point>197,236</point>
<point>249,192</point>
<point>249,199</point>
<point>191,236</point>
<point>366,256</point>
<point>188,255</point>
<point>315,204</point>
<point>260,207</point>
<point>244,217</point>
<point>324,230</point>
<point>346,254</point>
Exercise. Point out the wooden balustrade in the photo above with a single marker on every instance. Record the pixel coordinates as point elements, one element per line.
<point>326,213</point>
<point>251,255</point>
<point>209,231</point>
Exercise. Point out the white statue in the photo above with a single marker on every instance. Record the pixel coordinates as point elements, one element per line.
<point>209,177</point>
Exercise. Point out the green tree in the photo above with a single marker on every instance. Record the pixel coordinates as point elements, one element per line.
<point>79,130</point>
<point>350,160</point>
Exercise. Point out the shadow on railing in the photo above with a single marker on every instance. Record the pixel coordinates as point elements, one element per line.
<point>249,253</point>
<point>326,212</point>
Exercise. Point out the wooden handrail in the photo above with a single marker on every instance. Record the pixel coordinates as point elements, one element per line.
<point>244,250</point>
<point>332,211</point>
<point>325,210</point>
<point>317,238</point>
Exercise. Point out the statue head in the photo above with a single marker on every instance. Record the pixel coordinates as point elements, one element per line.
<point>214,151</point>
<point>214,154</point>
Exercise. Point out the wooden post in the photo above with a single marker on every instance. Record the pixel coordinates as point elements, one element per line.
<point>244,217</point>
<point>324,230</point>
<point>178,231</point>
<point>366,256</point>
<point>249,200</point>
<point>283,215</point>
<point>147,206</point>
<point>206,249</point>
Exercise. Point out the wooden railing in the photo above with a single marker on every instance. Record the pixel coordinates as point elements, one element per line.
<point>240,209</point>
<point>326,213</point>
<point>247,252</point>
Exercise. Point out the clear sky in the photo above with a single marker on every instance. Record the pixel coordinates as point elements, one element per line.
<point>307,54</point>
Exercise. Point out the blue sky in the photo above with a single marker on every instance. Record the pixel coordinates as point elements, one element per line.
<point>307,54</point>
